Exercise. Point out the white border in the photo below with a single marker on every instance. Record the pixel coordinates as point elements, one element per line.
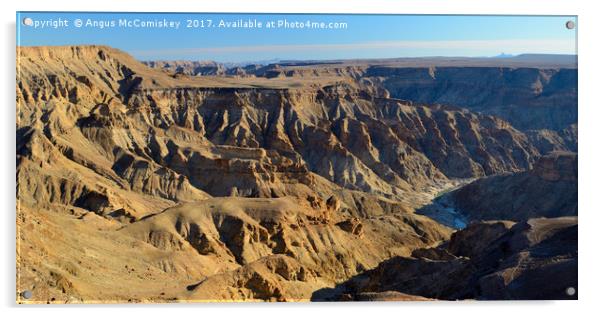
<point>590,118</point>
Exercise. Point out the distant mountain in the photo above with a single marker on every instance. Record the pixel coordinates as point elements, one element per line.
<point>504,55</point>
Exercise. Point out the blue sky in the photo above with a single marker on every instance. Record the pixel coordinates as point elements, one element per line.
<point>365,36</point>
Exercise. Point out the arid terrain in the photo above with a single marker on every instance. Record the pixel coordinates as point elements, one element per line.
<point>400,179</point>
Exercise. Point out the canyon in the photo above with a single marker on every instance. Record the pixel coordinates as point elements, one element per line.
<point>192,181</point>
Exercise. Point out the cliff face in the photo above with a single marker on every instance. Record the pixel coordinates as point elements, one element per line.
<point>547,190</point>
<point>263,137</point>
<point>488,261</point>
<point>190,68</point>
<point>263,187</point>
<point>528,98</point>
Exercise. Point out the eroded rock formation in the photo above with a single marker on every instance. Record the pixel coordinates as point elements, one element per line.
<point>488,261</point>
<point>192,182</point>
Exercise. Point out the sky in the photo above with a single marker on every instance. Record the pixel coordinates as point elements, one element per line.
<point>201,36</point>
